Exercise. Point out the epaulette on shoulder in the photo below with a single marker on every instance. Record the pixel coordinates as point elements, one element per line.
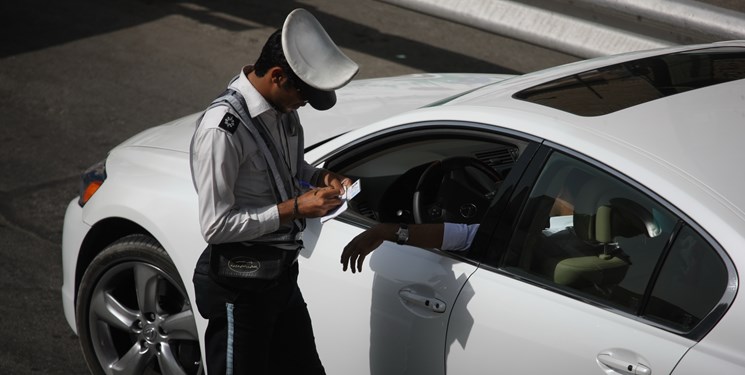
<point>229,122</point>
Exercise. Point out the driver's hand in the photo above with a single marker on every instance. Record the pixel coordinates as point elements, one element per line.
<point>356,250</point>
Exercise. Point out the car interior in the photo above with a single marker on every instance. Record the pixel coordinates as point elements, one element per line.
<point>590,234</point>
<point>428,176</point>
<point>604,241</point>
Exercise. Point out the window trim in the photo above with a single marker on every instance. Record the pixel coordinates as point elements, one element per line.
<point>507,207</point>
<point>402,131</point>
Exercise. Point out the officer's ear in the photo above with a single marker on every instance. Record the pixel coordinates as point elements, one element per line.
<point>275,75</point>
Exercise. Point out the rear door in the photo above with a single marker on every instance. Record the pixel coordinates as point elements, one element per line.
<point>585,272</point>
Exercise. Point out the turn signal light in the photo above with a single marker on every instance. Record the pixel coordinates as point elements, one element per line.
<point>93,178</point>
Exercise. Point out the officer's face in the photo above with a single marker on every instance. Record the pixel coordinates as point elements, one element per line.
<point>287,97</point>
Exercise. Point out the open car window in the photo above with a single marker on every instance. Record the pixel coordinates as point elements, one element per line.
<point>401,168</point>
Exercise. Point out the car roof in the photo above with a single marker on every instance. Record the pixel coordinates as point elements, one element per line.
<point>524,81</point>
<point>695,135</point>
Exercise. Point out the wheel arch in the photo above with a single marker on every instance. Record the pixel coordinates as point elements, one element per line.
<point>101,235</point>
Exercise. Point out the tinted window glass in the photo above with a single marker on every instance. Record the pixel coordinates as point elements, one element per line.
<point>616,87</point>
<point>690,284</point>
<point>591,234</point>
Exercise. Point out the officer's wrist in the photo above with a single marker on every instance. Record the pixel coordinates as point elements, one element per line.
<point>286,211</point>
<point>296,209</point>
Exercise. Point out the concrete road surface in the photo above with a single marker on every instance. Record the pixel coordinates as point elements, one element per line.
<point>79,76</point>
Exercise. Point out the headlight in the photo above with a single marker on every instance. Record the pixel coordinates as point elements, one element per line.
<point>93,178</point>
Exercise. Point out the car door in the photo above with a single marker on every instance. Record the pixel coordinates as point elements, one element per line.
<point>392,317</point>
<point>585,272</point>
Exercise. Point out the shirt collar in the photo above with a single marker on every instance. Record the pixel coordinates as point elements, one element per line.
<point>254,100</point>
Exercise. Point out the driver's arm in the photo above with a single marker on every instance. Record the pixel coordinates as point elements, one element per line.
<point>447,236</point>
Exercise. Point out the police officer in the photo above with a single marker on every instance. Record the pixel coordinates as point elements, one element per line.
<point>255,191</point>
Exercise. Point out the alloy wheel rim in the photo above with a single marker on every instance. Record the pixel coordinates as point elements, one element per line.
<point>139,317</point>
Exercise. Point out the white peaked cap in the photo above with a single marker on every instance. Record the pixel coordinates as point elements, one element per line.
<point>313,56</point>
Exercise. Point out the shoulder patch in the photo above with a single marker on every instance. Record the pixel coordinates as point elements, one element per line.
<point>229,123</point>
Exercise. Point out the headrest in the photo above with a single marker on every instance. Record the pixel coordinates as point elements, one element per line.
<point>585,208</point>
<point>601,215</point>
<point>624,218</point>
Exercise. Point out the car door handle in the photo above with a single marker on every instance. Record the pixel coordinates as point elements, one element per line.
<point>431,303</point>
<point>622,366</point>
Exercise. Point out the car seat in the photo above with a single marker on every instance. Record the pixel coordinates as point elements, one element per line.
<point>602,215</point>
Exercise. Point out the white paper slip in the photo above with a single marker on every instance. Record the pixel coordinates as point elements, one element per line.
<point>335,213</point>
<point>349,193</point>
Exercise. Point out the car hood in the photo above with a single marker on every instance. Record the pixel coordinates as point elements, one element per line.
<point>359,103</point>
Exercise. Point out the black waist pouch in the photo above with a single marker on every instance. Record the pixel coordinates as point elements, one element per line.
<point>231,263</point>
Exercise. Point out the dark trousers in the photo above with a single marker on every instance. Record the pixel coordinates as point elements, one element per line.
<point>262,328</point>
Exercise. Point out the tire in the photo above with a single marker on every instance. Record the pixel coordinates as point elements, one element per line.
<point>133,314</point>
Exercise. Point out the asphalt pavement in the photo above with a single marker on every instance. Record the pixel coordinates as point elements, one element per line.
<point>78,77</point>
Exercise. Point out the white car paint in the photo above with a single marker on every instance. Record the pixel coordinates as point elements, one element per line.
<point>378,318</point>
<point>367,101</point>
<point>567,338</point>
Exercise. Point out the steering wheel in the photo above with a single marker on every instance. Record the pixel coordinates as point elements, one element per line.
<point>457,189</point>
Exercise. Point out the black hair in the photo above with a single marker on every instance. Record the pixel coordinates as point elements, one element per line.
<point>273,55</point>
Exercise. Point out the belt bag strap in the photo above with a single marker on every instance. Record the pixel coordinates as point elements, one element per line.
<point>261,139</point>
<point>237,103</point>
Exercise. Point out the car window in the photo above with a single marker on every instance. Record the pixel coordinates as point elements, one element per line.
<point>690,283</point>
<point>394,168</point>
<point>589,234</point>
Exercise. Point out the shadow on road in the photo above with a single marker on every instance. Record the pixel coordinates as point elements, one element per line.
<point>38,24</point>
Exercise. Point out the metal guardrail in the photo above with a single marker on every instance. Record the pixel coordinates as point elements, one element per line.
<point>590,28</point>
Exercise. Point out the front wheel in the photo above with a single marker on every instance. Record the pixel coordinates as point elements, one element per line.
<point>133,313</point>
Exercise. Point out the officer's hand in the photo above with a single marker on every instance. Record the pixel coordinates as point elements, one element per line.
<point>356,250</point>
<point>336,181</point>
<point>318,202</point>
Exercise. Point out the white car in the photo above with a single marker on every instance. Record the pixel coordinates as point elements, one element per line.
<point>611,210</point>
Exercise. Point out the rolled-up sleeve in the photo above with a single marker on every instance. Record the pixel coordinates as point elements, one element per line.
<point>458,237</point>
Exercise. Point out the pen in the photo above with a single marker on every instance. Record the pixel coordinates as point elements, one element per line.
<point>306,185</point>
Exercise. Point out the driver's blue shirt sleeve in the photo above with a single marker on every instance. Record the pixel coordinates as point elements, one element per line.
<point>458,237</point>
